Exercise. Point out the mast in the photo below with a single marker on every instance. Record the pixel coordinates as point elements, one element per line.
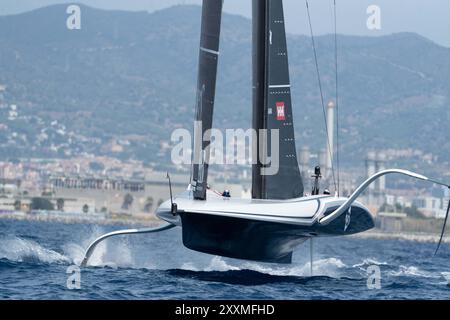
<point>272,108</point>
<point>258,79</point>
<point>206,87</point>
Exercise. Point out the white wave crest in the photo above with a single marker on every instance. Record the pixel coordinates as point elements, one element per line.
<point>446,276</point>
<point>369,262</point>
<point>413,271</point>
<point>330,267</point>
<point>24,250</point>
<point>219,264</point>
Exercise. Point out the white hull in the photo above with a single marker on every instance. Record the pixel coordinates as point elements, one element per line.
<point>305,211</point>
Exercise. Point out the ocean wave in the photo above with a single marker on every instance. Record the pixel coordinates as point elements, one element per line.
<point>369,262</point>
<point>330,267</point>
<point>120,253</point>
<point>413,271</point>
<point>446,276</point>
<point>23,250</point>
<point>227,271</point>
<point>240,277</point>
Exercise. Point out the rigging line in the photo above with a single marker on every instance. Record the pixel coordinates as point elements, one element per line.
<point>443,227</point>
<point>321,94</point>
<point>337,99</point>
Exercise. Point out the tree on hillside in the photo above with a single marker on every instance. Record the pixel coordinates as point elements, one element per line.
<point>60,204</point>
<point>413,212</point>
<point>127,201</point>
<point>17,205</point>
<point>38,203</point>
<point>47,193</point>
<point>148,204</point>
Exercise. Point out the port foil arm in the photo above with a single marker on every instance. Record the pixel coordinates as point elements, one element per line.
<point>94,244</point>
<point>344,207</point>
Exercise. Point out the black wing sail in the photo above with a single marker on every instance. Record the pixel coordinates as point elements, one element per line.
<point>206,86</point>
<point>272,107</point>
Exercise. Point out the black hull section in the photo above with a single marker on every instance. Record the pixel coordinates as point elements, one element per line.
<point>239,238</point>
<point>260,240</point>
<point>359,220</point>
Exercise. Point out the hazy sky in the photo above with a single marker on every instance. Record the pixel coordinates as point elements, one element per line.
<point>430,18</point>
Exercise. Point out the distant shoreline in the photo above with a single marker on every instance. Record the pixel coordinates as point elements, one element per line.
<point>147,222</point>
<point>407,236</point>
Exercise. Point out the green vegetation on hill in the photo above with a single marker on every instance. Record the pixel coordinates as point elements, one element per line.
<point>129,78</point>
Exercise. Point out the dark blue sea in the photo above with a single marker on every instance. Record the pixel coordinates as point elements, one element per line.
<point>35,257</point>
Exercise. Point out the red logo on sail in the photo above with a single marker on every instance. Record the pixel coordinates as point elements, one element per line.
<point>280,111</point>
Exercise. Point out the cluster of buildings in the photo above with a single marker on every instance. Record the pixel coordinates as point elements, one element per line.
<point>108,186</point>
<point>95,185</point>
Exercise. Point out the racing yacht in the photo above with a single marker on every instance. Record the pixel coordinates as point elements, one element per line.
<point>279,216</point>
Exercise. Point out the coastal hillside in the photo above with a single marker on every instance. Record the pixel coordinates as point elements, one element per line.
<point>122,83</point>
